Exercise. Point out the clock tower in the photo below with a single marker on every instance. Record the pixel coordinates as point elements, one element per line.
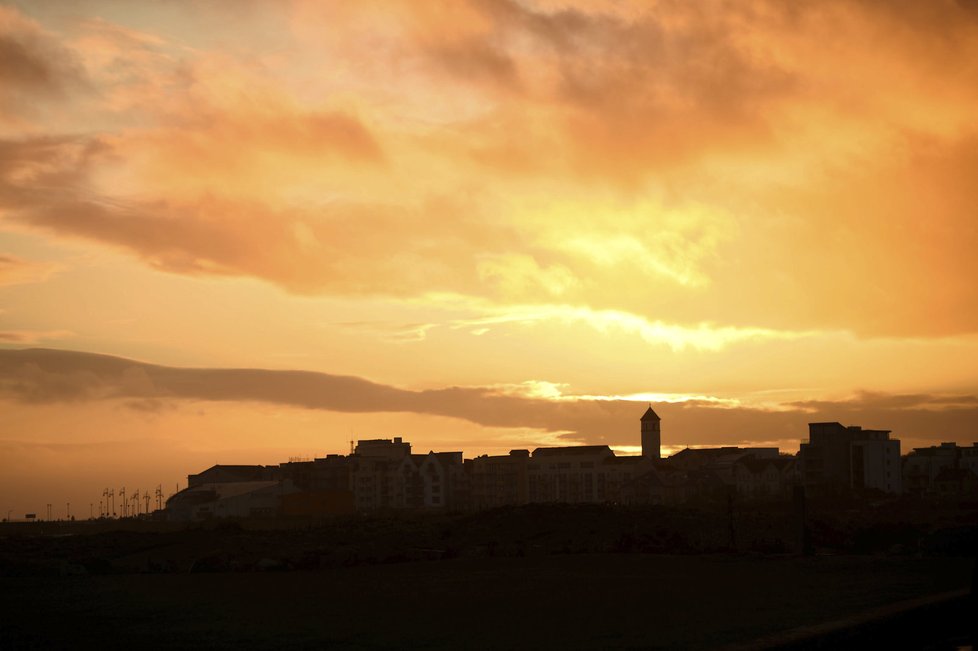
<point>651,435</point>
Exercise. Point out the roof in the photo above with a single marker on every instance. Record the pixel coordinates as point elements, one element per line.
<point>650,414</point>
<point>236,468</point>
<point>954,474</point>
<point>759,465</point>
<point>231,489</point>
<point>574,449</point>
<point>707,452</point>
<point>235,472</point>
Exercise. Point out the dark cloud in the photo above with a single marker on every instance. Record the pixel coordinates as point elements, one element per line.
<point>340,247</point>
<point>627,96</point>
<point>33,66</point>
<point>864,400</point>
<point>42,376</point>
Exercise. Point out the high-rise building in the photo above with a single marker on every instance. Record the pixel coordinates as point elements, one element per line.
<point>839,458</point>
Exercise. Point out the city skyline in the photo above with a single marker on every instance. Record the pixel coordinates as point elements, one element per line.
<point>240,235</point>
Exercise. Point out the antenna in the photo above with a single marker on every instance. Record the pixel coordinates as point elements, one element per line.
<point>159,497</point>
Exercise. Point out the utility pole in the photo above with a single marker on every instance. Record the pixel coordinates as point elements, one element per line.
<point>146,500</point>
<point>109,494</point>
<point>159,497</point>
<point>68,511</point>
<point>49,512</point>
<point>91,511</point>
<point>125,505</point>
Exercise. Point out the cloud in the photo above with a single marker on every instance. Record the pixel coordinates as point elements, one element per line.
<point>32,336</point>
<point>40,376</point>
<point>677,163</point>
<point>33,66</point>
<point>15,270</point>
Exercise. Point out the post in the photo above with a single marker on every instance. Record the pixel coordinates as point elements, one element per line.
<point>803,541</point>
<point>730,518</point>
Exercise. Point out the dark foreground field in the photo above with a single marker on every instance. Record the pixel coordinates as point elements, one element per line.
<point>581,601</point>
<point>531,577</point>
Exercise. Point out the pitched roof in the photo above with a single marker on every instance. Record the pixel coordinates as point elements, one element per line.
<point>756,465</point>
<point>575,449</point>
<point>650,414</point>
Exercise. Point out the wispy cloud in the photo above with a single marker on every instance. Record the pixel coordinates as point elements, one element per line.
<point>39,376</point>
<point>32,336</point>
<point>15,270</point>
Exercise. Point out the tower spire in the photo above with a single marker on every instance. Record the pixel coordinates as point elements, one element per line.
<point>651,434</point>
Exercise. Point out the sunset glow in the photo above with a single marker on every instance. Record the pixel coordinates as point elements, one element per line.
<point>252,230</point>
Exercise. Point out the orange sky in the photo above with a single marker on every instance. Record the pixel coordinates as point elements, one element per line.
<point>479,225</point>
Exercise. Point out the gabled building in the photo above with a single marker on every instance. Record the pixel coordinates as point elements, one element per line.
<point>721,459</point>
<point>763,477</point>
<point>408,484</point>
<point>656,483</point>
<point>444,482</point>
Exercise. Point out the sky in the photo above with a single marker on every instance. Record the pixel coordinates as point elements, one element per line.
<point>245,231</point>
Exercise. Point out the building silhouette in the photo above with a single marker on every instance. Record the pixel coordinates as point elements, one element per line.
<point>945,469</point>
<point>840,459</point>
<point>384,474</point>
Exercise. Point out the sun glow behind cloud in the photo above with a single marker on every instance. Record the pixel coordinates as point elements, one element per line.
<point>699,205</point>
